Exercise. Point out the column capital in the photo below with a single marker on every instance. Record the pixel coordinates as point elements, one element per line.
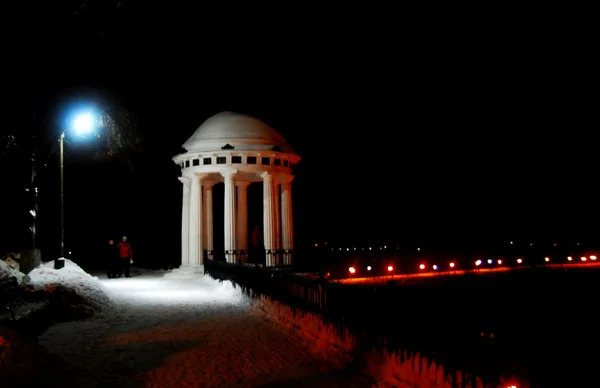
<point>184,179</point>
<point>285,178</point>
<point>227,173</point>
<point>208,184</point>
<point>267,175</point>
<point>242,184</point>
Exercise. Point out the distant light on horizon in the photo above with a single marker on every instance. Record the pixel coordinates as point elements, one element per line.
<point>422,266</point>
<point>546,259</point>
<point>451,265</point>
<point>435,267</point>
<point>519,260</point>
<point>478,262</point>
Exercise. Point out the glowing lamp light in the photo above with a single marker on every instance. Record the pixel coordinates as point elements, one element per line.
<point>435,267</point>
<point>422,266</point>
<point>352,270</point>
<point>499,262</point>
<point>569,258</point>
<point>83,124</point>
<point>490,261</point>
<point>546,259</point>
<point>478,262</point>
<point>519,260</point>
<point>584,258</point>
<point>593,257</point>
<point>451,265</point>
<point>369,268</point>
<point>390,268</point>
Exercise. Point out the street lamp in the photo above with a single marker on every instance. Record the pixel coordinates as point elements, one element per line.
<point>82,123</point>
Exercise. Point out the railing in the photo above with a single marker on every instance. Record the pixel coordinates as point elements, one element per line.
<point>277,282</point>
<point>424,321</point>
<point>257,257</point>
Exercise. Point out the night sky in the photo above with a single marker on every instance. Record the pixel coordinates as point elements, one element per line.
<point>412,135</point>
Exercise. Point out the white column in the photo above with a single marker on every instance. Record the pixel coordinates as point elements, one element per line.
<point>268,216</point>
<point>208,216</point>
<point>185,222</point>
<point>229,215</point>
<point>242,217</point>
<point>287,220</point>
<point>195,214</point>
<point>277,221</point>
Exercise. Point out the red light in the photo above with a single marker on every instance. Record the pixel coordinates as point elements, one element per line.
<point>584,258</point>
<point>546,259</point>
<point>422,266</point>
<point>390,268</point>
<point>351,270</point>
<point>569,258</point>
<point>554,244</point>
<point>451,265</point>
<point>592,257</point>
<point>519,260</point>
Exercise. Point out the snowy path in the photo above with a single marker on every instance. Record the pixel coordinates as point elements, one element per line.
<point>192,333</point>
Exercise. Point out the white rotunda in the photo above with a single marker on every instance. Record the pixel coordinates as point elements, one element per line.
<point>238,150</point>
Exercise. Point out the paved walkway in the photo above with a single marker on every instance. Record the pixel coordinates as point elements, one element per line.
<point>191,333</point>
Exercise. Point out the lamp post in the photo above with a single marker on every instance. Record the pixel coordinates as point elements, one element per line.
<point>82,124</point>
<point>62,194</point>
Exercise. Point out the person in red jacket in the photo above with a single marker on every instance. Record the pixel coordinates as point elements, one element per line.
<point>125,256</point>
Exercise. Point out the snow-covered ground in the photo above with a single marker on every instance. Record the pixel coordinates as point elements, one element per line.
<point>158,332</point>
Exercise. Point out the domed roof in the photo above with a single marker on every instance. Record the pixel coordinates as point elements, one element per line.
<point>235,130</point>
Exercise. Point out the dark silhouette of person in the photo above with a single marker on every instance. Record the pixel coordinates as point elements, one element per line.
<point>112,263</point>
<point>125,256</point>
<point>257,245</point>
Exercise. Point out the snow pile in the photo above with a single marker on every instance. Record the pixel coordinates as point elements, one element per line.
<point>322,339</point>
<point>343,348</point>
<point>72,283</point>
<point>7,271</point>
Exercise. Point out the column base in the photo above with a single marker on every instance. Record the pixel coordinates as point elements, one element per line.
<point>186,272</point>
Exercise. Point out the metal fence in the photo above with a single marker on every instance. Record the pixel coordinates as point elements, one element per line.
<point>425,320</point>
